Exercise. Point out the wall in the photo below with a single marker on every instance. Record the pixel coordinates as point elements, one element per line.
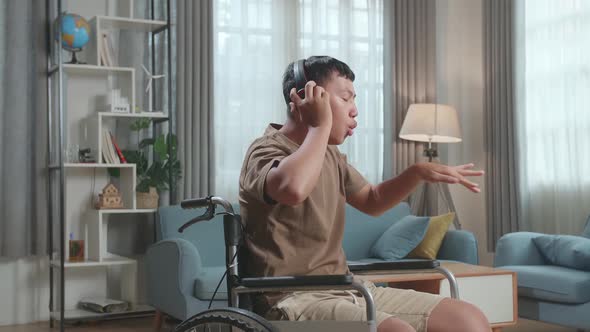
<point>460,84</point>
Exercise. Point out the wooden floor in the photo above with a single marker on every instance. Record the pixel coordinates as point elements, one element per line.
<point>145,325</point>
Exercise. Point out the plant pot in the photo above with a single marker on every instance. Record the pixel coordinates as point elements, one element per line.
<point>147,200</point>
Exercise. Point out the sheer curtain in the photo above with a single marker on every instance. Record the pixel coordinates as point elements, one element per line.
<point>553,96</point>
<point>254,42</point>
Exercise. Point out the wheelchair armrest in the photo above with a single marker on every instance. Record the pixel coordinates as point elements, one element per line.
<point>406,264</point>
<point>293,281</point>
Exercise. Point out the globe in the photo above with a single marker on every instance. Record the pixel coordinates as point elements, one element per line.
<point>75,33</point>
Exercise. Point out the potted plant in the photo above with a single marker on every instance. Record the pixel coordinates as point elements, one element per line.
<point>155,177</point>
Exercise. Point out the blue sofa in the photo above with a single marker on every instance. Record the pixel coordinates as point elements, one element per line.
<point>184,269</point>
<point>546,292</point>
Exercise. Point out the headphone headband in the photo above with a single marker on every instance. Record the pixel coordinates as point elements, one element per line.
<point>300,77</point>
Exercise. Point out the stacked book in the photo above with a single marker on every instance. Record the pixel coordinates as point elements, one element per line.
<point>103,305</point>
<point>111,153</point>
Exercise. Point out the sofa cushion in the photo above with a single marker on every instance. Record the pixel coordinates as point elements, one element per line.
<point>552,283</point>
<point>565,250</point>
<point>206,282</point>
<point>400,238</point>
<point>362,230</point>
<point>437,228</point>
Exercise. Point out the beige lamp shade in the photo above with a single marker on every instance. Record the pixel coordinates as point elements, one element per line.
<point>435,123</point>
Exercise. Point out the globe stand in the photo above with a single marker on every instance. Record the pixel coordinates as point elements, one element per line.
<point>74,60</point>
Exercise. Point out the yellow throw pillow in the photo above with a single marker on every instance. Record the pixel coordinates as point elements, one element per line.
<point>437,228</point>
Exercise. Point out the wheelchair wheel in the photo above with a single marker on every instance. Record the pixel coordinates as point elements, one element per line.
<point>225,320</point>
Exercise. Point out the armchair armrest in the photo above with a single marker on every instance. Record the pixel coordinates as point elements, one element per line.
<point>171,269</point>
<point>518,249</point>
<point>459,245</point>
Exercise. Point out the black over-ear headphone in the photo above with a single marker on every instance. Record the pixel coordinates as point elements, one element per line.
<point>300,77</point>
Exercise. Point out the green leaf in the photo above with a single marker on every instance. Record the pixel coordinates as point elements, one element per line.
<point>138,158</point>
<point>160,147</point>
<point>164,169</point>
<point>139,124</point>
<point>145,123</point>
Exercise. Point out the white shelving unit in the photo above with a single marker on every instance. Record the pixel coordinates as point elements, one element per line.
<point>80,117</point>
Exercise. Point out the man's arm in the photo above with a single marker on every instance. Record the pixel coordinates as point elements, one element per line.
<point>376,199</point>
<point>296,175</point>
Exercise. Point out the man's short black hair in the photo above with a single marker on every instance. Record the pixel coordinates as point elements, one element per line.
<point>318,69</point>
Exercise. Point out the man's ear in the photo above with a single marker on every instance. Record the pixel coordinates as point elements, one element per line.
<point>295,115</point>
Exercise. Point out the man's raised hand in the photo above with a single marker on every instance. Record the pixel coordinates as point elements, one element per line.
<point>313,110</point>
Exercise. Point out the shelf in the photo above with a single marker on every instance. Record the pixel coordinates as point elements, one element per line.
<point>124,211</point>
<point>154,115</point>
<point>85,90</point>
<point>114,260</point>
<point>79,314</point>
<point>111,22</point>
<point>97,165</point>
<point>93,69</point>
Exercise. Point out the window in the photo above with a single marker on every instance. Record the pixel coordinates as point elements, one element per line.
<point>553,69</point>
<point>254,42</point>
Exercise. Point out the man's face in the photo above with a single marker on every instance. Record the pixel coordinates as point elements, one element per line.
<point>342,102</point>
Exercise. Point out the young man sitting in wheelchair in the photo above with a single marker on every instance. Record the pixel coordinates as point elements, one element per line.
<point>294,185</point>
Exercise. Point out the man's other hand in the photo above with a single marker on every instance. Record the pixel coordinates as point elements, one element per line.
<point>433,172</point>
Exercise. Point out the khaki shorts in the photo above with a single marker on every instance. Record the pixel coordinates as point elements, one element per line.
<point>408,305</point>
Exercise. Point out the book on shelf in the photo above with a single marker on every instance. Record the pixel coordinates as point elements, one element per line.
<point>103,305</point>
<point>107,50</point>
<point>118,150</point>
<point>108,150</point>
<point>103,54</point>
<point>111,49</point>
<point>105,150</point>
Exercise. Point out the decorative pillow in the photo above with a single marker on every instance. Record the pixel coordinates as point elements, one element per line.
<point>399,239</point>
<point>435,234</point>
<point>565,250</point>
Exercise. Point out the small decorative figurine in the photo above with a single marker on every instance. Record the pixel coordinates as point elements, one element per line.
<point>110,198</point>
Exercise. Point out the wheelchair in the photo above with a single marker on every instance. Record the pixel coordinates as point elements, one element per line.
<point>238,316</point>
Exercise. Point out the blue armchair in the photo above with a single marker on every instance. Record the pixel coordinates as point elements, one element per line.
<point>547,291</point>
<point>184,269</point>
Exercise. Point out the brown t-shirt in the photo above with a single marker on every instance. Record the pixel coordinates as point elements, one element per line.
<point>305,239</point>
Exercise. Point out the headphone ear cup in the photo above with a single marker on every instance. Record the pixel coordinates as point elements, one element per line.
<point>300,77</point>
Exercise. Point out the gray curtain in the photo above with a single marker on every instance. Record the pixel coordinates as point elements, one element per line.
<point>23,121</point>
<point>195,97</point>
<point>502,201</point>
<point>410,57</point>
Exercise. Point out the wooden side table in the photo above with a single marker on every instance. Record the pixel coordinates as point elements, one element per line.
<point>492,290</point>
